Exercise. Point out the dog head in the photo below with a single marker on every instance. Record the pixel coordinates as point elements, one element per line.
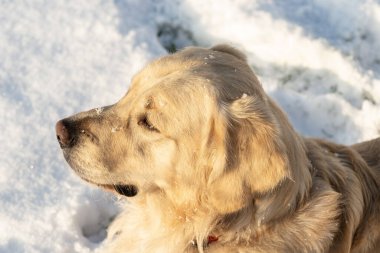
<point>195,125</point>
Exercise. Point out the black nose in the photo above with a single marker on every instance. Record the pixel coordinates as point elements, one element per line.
<point>64,137</point>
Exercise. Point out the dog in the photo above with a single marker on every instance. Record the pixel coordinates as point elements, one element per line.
<point>209,163</point>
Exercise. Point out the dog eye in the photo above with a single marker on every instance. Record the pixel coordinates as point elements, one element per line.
<point>144,122</point>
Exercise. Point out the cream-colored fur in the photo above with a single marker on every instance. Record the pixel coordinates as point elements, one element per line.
<point>208,153</point>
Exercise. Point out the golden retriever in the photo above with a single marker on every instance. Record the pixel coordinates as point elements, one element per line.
<point>209,163</point>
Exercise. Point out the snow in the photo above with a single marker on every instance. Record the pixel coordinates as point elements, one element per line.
<point>320,60</point>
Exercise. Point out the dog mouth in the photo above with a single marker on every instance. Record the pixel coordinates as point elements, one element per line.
<point>127,190</point>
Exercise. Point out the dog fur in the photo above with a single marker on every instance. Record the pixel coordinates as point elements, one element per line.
<point>210,155</point>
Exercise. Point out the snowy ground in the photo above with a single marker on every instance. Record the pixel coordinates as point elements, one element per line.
<point>319,59</point>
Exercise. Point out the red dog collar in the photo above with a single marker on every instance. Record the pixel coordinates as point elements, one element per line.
<point>210,239</point>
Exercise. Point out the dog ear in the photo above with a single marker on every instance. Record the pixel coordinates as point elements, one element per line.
<point>255,155</point>
<point>229,50</point>
<point>261,147</point>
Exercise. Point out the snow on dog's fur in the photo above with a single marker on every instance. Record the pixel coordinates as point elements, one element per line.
<point>210,163</point>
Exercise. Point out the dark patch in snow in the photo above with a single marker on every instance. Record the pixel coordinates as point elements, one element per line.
<point>93,219</point>
<point>173,38</point>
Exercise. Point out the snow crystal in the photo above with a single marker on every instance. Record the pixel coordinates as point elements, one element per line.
<point>115,129</point>
<point>99,110</point>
